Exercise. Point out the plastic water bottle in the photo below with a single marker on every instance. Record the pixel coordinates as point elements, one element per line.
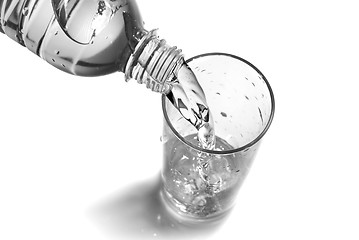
<point>92,38</point>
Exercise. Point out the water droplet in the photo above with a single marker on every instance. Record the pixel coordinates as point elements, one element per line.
<point>57,52</point>
<point>53,60</point>
<point>57,32</point>
<point>25,11</point>
<point>261,115</point>
<point>224,114</point>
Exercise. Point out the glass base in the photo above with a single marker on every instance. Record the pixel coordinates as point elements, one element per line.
<point>179,211</point>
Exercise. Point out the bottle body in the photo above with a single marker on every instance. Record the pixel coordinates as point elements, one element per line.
<point>93,38</point>
<point>81,37</point>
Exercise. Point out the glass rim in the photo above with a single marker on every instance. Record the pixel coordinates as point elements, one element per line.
<point>235,150</point>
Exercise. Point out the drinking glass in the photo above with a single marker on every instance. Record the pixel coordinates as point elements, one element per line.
<point>202,184</point>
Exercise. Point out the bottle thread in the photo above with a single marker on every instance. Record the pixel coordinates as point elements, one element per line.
<point>154,63</point>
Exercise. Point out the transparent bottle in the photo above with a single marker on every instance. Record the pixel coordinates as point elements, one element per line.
<point>92,38</point>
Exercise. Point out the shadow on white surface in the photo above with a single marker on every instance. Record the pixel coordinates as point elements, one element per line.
<point>138,213</point>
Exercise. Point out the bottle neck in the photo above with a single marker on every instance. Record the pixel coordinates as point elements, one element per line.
<point>154,63</point>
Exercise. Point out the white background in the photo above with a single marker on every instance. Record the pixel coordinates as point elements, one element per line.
<point>75,165</point>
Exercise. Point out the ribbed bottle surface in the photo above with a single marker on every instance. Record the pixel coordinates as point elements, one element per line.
<point>154,63</point>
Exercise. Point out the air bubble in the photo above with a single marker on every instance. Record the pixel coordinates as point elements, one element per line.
<point>199,201</point>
